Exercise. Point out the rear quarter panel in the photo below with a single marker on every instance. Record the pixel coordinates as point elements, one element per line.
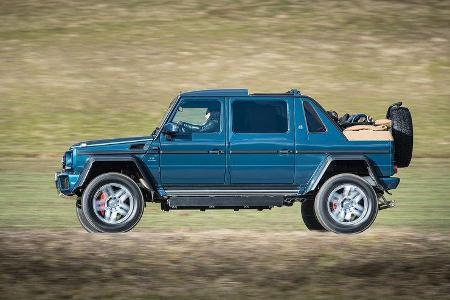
<point>312,149</point>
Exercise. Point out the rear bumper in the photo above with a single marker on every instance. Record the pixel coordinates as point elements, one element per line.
<point>389,183</point>
<point>65,183</point>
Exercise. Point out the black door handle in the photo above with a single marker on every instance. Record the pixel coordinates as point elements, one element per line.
<point>214,151</point>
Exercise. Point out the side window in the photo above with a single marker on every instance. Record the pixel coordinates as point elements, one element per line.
<point>260,116</point>
<point>193,115</point>
<point>198,116</point>
<point>312,119</point>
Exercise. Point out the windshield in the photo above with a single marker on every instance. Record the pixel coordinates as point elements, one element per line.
<point>164,118</point>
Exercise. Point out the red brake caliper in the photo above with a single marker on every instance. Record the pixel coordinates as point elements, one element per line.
<point>334,205</point>
<point>102,203</point>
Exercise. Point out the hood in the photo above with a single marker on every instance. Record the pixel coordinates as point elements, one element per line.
<point>118,144</point>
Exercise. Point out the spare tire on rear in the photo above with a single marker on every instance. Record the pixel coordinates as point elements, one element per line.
<point>402,131</point>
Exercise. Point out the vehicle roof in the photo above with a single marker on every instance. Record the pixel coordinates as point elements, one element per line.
<point>218,92</point>
<point>234,93</point>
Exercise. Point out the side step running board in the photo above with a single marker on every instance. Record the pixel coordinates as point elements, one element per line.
<point>202,203</point>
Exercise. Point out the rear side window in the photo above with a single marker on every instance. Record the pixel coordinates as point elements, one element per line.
<point>260,116</point>
<point>312,119</point>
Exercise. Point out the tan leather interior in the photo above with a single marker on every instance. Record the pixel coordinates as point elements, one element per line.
<point>385,122</point>
<point>378,132</point>
<point>367,127</point>
<point>368,135</point>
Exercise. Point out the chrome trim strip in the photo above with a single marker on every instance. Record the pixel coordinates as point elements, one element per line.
<point>260,151</point>
<point>190,152</point>
<point>349,152</point>
<point>84,145</point>
<point>230,192</point>
<point>112,152</point>
<point>229,152</point>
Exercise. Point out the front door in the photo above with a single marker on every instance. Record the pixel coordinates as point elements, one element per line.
<point>262,141</point>
<point>196,155</point>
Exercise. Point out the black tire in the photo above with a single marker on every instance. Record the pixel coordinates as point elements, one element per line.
<point>402,131</point>
<point>82,219</point>
<point>323,210</point>
<point>309,217</point>
<point>136,209</point>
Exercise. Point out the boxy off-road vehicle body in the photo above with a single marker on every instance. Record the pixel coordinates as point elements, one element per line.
<point>264,150</point>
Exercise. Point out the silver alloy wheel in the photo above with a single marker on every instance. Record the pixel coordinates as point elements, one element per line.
<point>348,205</point>
<point>113,203</point>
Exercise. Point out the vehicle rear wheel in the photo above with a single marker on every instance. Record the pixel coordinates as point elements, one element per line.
<point>82,219</point>
<point>309,217</point>
<point>346,203</point>
<point>113,202</point>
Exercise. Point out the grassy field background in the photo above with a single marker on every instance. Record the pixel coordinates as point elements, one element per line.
<point>88,69</point>
<point>74,70</point>
<point>422,204</point>
<point>78,70</point>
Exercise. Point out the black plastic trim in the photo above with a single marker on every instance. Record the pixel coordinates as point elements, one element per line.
<point>259,202</point>
<point>318,174</point>
<point>148,178</point>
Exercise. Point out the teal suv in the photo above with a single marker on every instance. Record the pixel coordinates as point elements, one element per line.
<point>228,149</point>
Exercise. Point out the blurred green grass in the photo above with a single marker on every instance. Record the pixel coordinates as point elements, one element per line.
<point>28,195</point>
<point>78,70</point>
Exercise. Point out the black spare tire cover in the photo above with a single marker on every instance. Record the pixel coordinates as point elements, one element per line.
<point>402,131</point>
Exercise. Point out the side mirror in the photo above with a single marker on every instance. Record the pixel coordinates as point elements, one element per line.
<point>171,128</point>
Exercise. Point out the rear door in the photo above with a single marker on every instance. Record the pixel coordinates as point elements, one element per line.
<point>261,141</point>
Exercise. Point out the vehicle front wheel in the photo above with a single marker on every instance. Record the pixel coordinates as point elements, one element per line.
<point>309,217</point>
<point>82,219</point>
<point>113,202</point>
<point>346,203</point>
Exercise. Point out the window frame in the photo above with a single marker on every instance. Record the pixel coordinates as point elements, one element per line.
<point>184,100</point>
<point>314,111</point>
<point>288,127</point>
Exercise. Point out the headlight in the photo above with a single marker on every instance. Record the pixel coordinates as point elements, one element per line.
<point>67,160</point>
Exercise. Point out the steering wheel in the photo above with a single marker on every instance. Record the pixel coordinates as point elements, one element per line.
<point>181,127</point>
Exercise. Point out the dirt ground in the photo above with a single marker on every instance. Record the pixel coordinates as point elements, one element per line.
<point>44,264</point>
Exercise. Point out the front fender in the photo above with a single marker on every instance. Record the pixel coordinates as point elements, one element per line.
<point>90,169</point>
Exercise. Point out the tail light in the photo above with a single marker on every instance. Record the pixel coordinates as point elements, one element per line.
<point>395,169</point>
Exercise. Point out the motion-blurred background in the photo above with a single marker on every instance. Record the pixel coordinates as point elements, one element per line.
<point>79,70</point>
